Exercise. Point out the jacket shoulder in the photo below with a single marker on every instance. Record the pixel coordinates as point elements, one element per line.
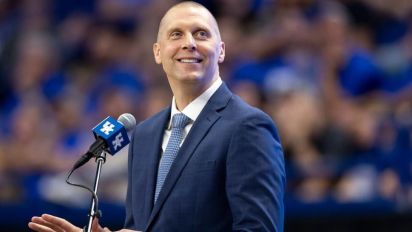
<point>243,111</point>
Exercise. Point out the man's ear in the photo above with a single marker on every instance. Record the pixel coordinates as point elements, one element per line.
<point>222,52</point>
<point>156,52</point>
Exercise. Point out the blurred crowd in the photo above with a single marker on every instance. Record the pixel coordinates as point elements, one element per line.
<point>336,77</point>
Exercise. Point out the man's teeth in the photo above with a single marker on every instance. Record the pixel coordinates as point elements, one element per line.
<point>189,60</point>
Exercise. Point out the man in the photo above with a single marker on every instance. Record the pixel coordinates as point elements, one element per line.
<point>228,173</point>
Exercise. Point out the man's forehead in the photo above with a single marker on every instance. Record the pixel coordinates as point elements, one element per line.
<point>179,14</point>
<point>186,11</point>
<point>188,20</point>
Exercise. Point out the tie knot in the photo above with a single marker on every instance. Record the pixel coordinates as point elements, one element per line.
<point>180,120</point>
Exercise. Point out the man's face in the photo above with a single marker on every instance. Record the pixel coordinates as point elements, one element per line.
<point>189,46</point>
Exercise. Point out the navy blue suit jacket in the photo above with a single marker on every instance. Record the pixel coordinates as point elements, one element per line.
<point>228,175</point>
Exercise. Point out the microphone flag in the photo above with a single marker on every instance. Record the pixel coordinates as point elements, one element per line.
<point>113,132</point>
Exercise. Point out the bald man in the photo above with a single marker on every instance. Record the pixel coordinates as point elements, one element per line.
<point>221,168</point>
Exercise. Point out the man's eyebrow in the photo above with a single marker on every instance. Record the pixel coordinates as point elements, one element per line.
<point>201,28</point>
<point>172,29</point>
<point>194,29</point>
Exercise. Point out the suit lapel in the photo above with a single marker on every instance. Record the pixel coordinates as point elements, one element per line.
<point>157,128</point>
<point>199,130</point>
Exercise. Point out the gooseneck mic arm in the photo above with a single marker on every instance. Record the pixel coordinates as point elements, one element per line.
<point>95,149</point>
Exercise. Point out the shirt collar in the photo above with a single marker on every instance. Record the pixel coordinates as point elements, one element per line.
<point>196,106</point>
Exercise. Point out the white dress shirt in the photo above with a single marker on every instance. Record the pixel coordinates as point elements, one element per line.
<point>192,111</point>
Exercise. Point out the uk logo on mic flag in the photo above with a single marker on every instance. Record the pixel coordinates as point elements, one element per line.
<point>107,128</point>
<point>113,132</point>
<point>118,141</point>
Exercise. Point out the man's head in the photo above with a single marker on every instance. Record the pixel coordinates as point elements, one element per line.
<point>189,45</point>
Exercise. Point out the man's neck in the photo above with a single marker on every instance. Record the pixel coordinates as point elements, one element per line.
<point>187,92</point>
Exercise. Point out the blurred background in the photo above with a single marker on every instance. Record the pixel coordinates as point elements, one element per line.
<point>336,77</point>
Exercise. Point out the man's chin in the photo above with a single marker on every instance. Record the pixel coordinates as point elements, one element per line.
<point>192,78</point>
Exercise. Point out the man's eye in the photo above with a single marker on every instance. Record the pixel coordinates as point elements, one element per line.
<point>175,35</point>
<point>201,34</point>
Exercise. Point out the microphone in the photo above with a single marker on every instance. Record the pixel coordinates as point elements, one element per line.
<point>111,135</point>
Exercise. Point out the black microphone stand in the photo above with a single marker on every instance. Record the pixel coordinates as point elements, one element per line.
<point>94,212</point>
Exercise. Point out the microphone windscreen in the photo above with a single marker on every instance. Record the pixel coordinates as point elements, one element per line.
<point>128,121</point>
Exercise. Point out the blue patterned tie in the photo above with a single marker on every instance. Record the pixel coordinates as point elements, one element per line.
<point>179,121</point>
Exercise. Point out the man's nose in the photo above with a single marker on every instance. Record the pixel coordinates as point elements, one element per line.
<point>189,43</point>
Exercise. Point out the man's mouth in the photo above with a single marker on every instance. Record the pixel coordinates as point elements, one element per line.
<point>190,60</point>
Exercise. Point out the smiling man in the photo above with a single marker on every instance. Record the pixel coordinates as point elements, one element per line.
<point>209,162</point>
